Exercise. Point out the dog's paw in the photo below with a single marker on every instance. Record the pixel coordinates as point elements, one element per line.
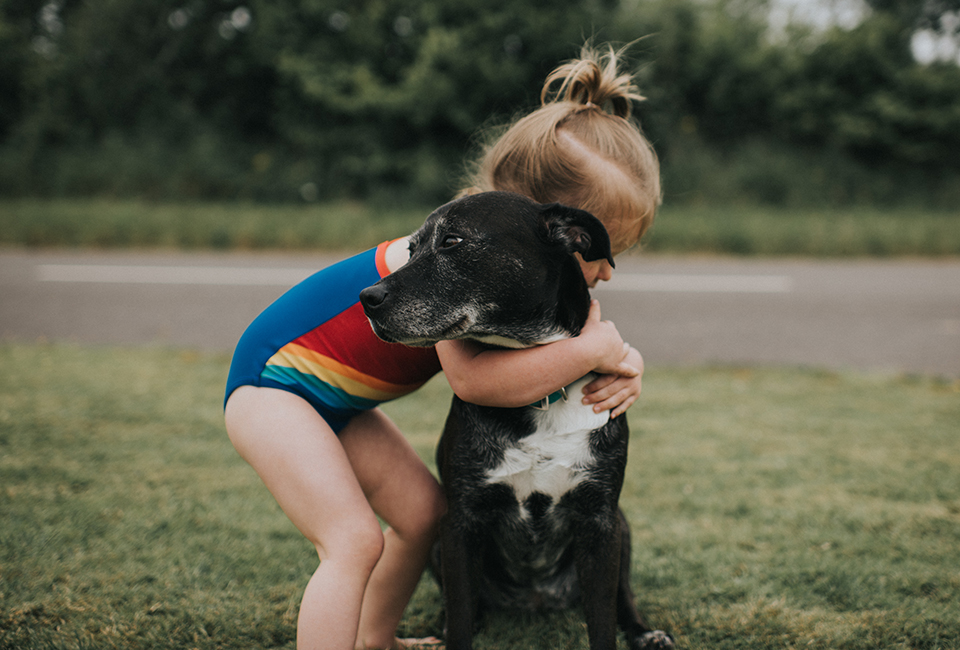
<point>656,640</point>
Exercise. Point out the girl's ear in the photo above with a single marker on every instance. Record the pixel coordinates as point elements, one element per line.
<point>577,231</point>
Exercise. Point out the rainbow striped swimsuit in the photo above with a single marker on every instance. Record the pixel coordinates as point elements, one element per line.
<point>316,342</point>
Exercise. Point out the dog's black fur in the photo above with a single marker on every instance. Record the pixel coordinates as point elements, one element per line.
<point>532,520</point>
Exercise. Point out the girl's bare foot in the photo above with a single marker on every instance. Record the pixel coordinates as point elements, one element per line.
<point>430,642</point>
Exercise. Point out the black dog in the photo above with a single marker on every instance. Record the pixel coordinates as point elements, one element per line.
<point>532,492</point>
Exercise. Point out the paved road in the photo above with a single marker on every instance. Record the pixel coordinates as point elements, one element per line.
<point>891,316</point>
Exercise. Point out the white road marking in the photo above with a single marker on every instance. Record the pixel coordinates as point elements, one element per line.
<point>214,275</point>
<point>656,282</point>
<point>287,277</point>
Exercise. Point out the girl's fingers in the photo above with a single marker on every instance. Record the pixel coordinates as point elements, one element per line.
<point>599,383</point>
<point>620,410</point>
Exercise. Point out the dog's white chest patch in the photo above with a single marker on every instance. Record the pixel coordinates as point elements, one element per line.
<point>556,457</point>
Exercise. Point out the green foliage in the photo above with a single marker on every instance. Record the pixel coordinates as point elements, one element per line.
<point>761,114</point>
<point>858,92</point>
<point>258,99</point>
<point>390,93</point>
<point>910,14</point>
<point>290,100</point>
<point>770,509</point>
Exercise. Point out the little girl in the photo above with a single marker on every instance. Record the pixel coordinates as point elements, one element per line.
<point>308,373</point>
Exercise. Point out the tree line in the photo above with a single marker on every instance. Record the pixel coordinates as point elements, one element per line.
<point>281,100</point>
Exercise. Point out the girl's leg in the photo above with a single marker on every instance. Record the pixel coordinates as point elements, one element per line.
<point>304,466</point>
<point>406,495</point>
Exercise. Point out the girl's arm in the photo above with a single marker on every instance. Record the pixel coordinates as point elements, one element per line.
<point>615,392</point>
<point>514,378</point>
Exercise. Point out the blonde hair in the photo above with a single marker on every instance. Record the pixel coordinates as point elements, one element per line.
<point>580,148</point>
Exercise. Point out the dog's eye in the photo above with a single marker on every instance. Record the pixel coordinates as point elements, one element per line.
<point>450,241</point>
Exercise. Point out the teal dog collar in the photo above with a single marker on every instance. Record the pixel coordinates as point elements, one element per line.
<point>545,403</point>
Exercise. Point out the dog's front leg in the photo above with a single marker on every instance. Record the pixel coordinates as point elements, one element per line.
<point>638,634</point>
<point>460,568</point>
<point>598,569</point>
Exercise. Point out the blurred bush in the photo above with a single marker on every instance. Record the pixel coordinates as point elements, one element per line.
<point>303,100</point>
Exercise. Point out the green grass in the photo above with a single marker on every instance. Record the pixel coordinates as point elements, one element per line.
<point>107,223</point>
<point>739,231</point>
<point>771,508</point>
<point>857,232</point>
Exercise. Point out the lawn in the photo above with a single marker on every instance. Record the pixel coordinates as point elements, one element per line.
<point>771,508</point>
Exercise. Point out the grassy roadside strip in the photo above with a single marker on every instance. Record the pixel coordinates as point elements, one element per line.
<point>103,223</point>
<point>770,509</point>
<point>679,229</point>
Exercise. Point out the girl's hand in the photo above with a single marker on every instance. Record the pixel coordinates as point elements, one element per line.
<point>615,392</point>
<point>610,351</point>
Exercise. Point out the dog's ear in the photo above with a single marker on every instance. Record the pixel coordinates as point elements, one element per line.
<point>577,231</point>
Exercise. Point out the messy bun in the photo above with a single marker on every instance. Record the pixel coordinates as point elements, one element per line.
<point>593,81</point>
<point>581,148</point>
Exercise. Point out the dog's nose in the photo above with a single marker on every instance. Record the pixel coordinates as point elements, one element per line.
<point>373,297</point>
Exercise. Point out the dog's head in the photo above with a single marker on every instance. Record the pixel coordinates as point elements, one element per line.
<point>494,267</point>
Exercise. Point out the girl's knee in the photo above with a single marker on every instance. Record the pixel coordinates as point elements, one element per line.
<point>358,542</point>
<point>422,521</point>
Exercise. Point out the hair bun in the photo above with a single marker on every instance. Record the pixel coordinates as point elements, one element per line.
<point>593,81</point>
